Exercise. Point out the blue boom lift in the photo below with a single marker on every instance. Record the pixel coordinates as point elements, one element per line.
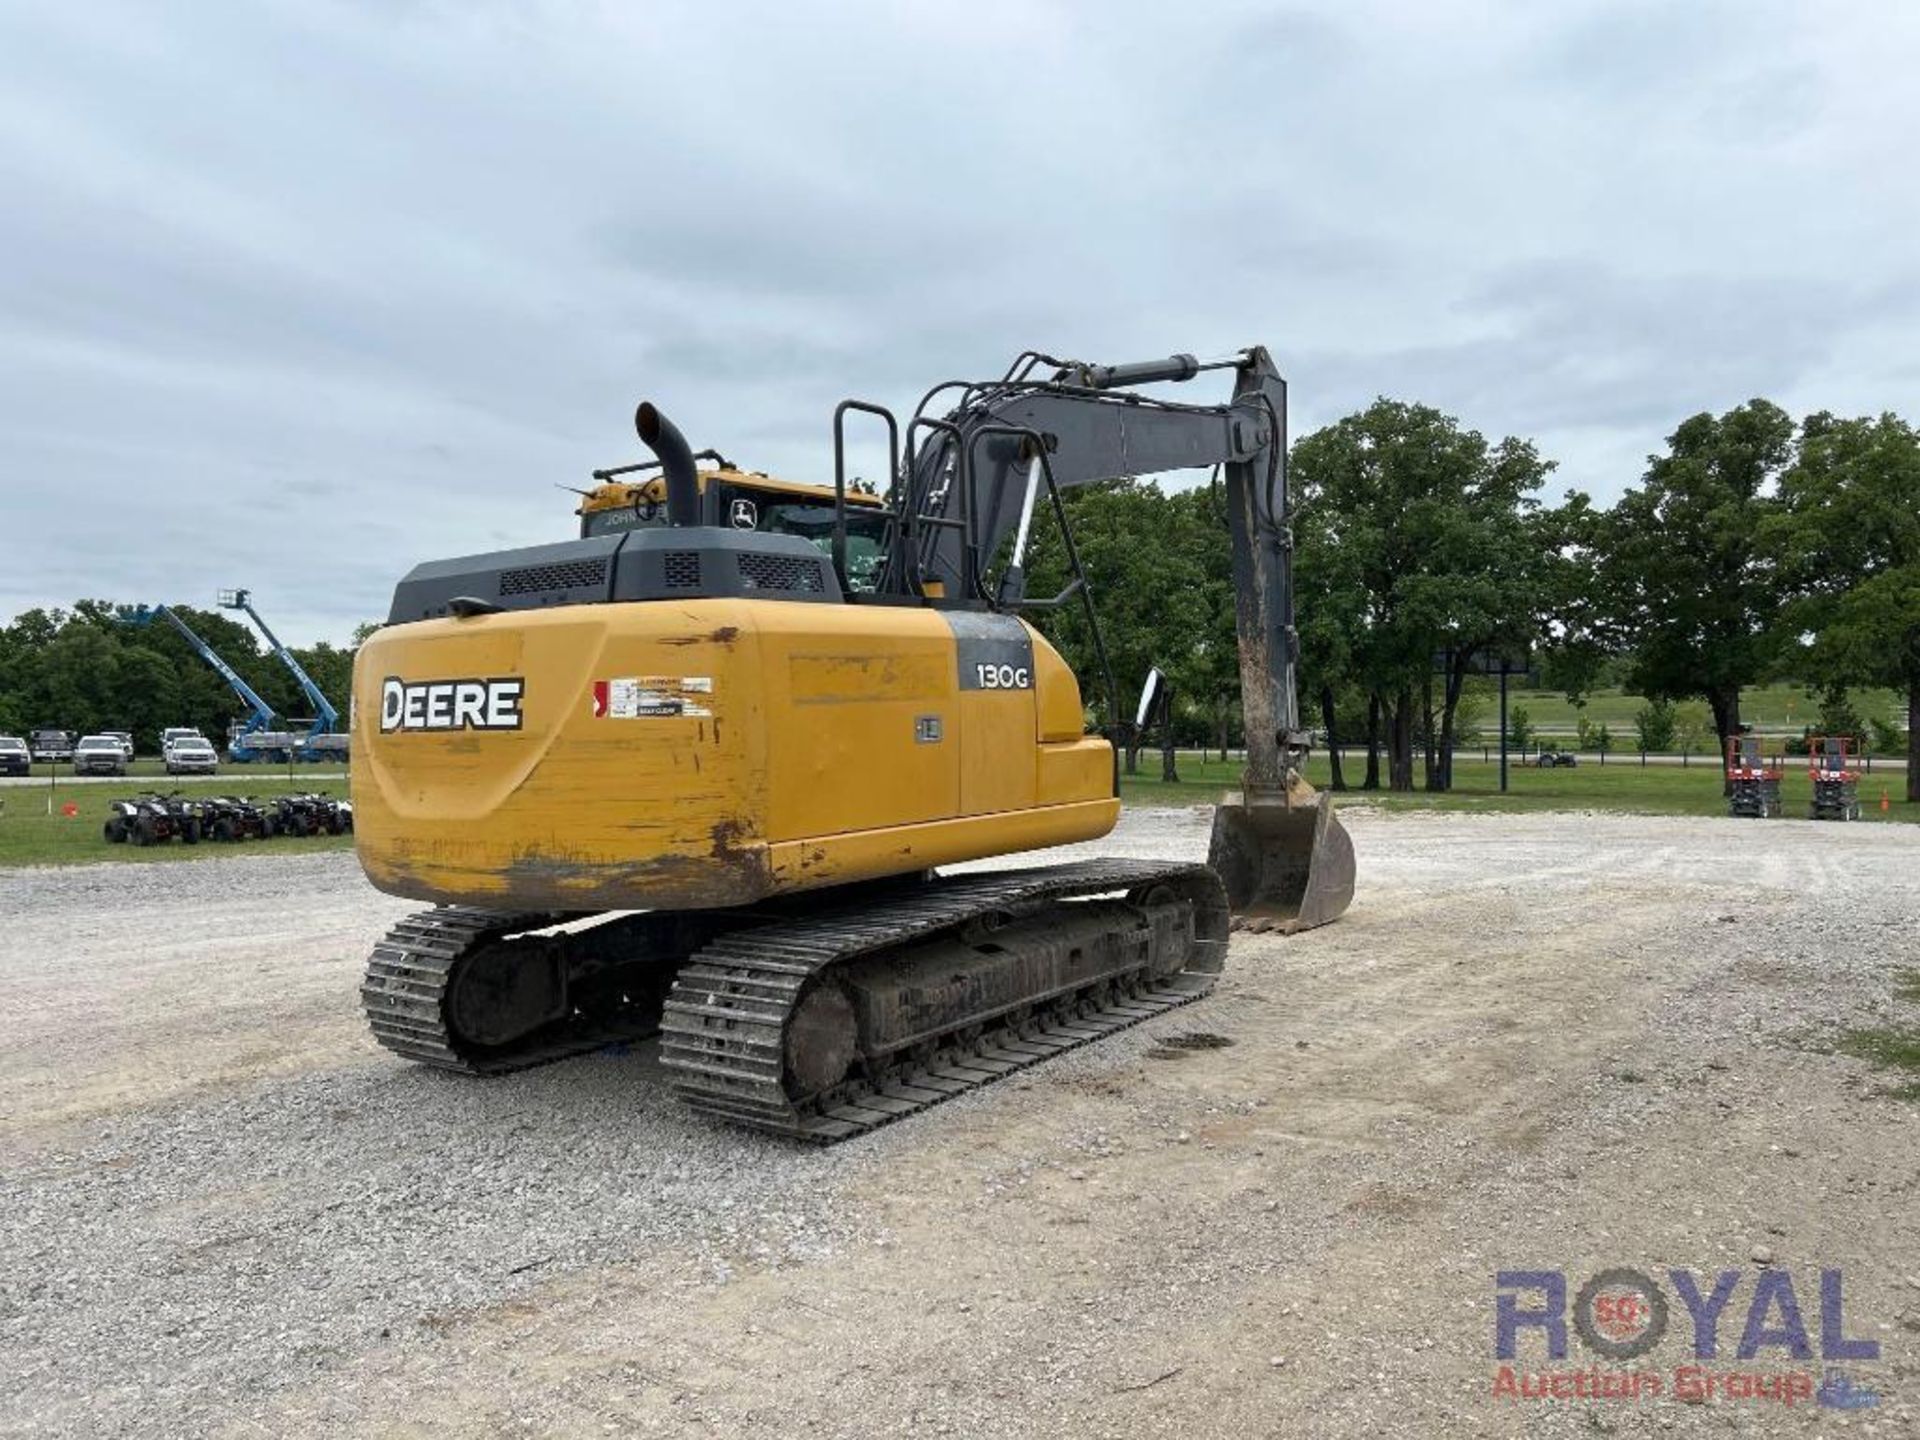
<point>320,742</point>
<point>255,739</point>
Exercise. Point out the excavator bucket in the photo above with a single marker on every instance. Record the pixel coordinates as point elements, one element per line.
<point>1287,863</point>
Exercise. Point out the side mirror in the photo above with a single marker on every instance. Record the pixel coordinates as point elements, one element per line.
<point>1149,698</point>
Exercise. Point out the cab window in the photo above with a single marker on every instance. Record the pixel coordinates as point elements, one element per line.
<point>866,531</point>
<point>641,515</point>
<point>866,534</point>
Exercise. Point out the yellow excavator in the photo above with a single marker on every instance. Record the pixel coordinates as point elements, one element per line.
<point>692,773</point>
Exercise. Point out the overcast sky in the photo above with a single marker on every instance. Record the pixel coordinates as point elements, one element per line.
<point>293,296</point>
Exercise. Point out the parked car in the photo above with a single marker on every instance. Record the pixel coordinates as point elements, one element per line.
<point>177,732</point>
<point>15,758</point>
<point>125,737</point>
<point>99,755</point>
<point>191,757</point>
<point>52,745</point>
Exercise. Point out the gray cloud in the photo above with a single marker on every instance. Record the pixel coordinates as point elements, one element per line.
<point>296,295</point>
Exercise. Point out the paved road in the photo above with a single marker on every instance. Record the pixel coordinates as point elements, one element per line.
<point>230,776</point>
<point>1350,755</point>
<point>1697,762</point>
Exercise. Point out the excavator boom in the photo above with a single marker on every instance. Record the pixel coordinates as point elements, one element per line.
<point>1285,858</point>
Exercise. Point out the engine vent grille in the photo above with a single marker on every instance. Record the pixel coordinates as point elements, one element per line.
<point>567,575</point>
<point>780,572</point>
<point>682,569</point>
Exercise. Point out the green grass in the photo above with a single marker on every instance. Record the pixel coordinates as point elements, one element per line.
<point>1887,1048</point>
<point>31,836</point>
<point>1769,707</point>
<point>1621,785</point>
<point>1891,1047</point>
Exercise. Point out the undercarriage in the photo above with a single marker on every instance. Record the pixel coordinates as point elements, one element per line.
<point>816,1020</point>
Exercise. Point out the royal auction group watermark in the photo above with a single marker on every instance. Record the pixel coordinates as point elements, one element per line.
<point>1780,1352</point>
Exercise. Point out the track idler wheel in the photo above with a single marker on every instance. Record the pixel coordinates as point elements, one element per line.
<point>507,990</point>
<point>823,1039</point>
<point>1285,859</point>
<point>1193,925</point>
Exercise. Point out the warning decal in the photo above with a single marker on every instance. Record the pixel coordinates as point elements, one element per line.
<point>638,697</point>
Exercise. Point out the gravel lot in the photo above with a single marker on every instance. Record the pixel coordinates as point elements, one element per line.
<point>1537,1041</point>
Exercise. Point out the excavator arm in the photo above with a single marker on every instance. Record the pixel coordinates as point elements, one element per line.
<point>971,480</point>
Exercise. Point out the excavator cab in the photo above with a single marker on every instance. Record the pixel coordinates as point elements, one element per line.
<point>746,500</point>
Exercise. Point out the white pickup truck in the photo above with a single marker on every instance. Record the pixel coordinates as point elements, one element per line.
<point>190,754</point>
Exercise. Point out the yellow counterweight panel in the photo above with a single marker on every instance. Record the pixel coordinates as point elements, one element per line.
<point>846,687</point>
<point>569,809</point>
<point>709,752</point>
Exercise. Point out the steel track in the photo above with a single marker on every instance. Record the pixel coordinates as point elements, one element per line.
<point>724,1032</point>
<point>405,991</point>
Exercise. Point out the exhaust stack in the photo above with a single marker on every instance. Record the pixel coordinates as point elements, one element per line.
<point>663,437</point>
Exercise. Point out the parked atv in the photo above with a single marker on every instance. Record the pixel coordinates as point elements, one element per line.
<point>153,819</point>
<point>233,817</point>
<point>312,814</point>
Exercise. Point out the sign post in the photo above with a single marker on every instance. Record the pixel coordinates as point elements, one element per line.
<point>1503,729</point>
<point>1503,665</point>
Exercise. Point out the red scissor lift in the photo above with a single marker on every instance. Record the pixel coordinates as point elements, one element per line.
<point>1753,785</point>
<point>1836,784</point>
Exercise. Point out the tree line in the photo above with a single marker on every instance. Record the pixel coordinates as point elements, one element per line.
<point>85,670</point>
<point>1754,548</point>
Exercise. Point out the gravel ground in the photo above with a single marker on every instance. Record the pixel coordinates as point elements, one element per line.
<point>1543,1041</point>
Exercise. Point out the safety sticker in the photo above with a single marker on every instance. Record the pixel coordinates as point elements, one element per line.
<point>638,697</point>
